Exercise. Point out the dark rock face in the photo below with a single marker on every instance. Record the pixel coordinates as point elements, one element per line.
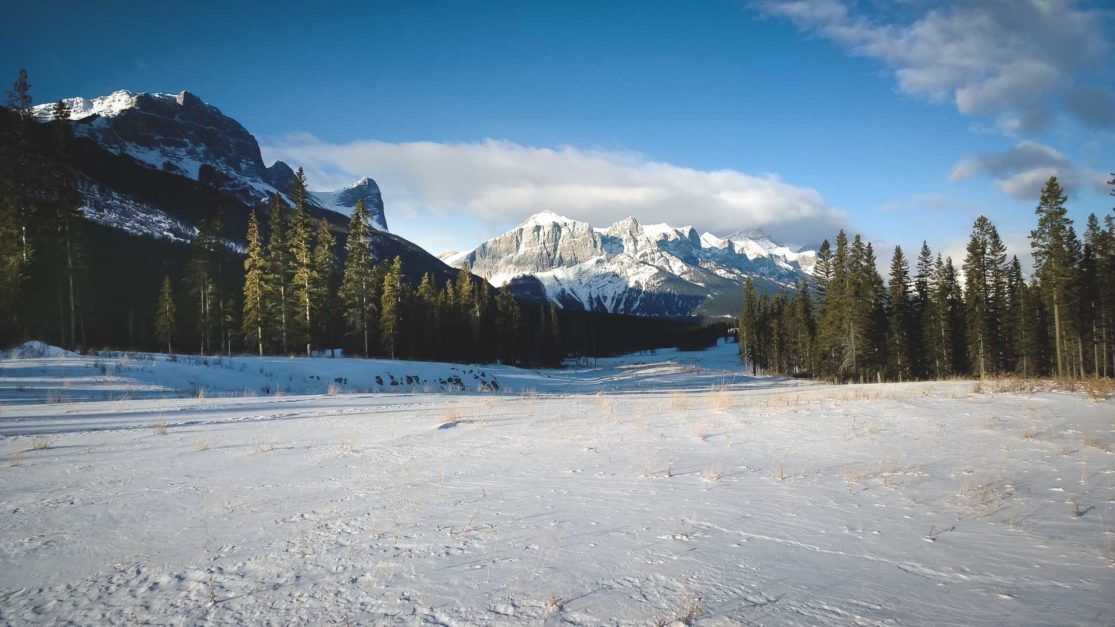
<point>180,134</point>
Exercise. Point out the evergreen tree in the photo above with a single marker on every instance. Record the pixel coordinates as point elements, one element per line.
<point>898,318</point>
<point>15,203</point>
<point>359,291</point>
<point>749,335</point>
<point>254,318</point>
<point>985,273</point>
<point>202,279</point>
<point>164,315</point>
<point>1050,243</point>
<point>823,270</point>
<point>302,264</point>
<point>280,294</point>
<point>427,298</point>
<point>323,286</point>
<point>921,314</point>
<point>390,302</point>
<point>509,321</point>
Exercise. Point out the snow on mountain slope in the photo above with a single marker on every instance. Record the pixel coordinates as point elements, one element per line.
<point>655,269</point>
<point>344,201</point>
<point>180,134</point>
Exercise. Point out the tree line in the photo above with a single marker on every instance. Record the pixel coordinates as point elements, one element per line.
<point>42,251</point>
<point>984,318</point>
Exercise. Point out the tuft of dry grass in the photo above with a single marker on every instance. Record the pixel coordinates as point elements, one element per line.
<point>722,400</point>
<point>42,442</point>
<point>54,397</point>
<point>678,401</point>
<point>451,416</point>
<point>853,476</point>
<point>17,455</point>
<point>713,473</point>
<point>332,389</point>
<point>201,443</point>
<point>1096,443</point>
<point>554,604</point>
<point>159,428</point>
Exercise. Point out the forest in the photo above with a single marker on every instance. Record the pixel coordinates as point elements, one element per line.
<point>983,318</point>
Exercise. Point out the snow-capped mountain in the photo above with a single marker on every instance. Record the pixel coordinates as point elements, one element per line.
<point>180,134</point>
<point>656,269</point>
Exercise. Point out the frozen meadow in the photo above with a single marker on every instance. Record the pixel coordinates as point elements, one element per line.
<point>641,490</point>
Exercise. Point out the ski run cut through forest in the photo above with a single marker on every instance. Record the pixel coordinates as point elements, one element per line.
<point>642,489</point>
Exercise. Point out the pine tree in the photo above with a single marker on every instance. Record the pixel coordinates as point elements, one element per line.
<point>280,295</point>
<point>509,321</point>
<point>921,314</point>
<point>164,315</point>
<point>302,263</point>
<point>749,328</point>
<point>431,330</point>
<point>254,318</point>
<point>323,285</point>
<point>1050,243</point>
<point>985,273</point>
<point>898,318</point>
<point>823,270</point>
<point>202,279</point>
<point>390,302</point>
<point>15,204</point>
<point>359,291</point>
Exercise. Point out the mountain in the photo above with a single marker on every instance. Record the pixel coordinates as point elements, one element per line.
<point>181,135</point>
<point>649,270</point>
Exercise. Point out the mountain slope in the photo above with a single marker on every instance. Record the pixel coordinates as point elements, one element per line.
<point>651,270</point>
<point>181,135</point>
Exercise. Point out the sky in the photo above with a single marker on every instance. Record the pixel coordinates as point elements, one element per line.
<point>901,120</point>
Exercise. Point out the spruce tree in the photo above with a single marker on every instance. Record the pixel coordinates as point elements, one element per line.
<point>254,317</point>
<point>324,284</point>
<point>359,291</point>
<point>921,314</point>
<point>431,330</point>
<point>164,315</point>
<point>898,318</point>
<point>985,273</point>
<point>390,302</point>
<point>1050,243</point>
<point>280,271</point>
<point>302,277</point>
<point>749,335</point>
<point>202,279</point>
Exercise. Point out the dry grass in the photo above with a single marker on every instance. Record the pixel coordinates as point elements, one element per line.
<point>701,431</point>
<point>263,446</point>
<point>451,416</point>
<point>853,476</point>
<point>42,442</point>
<point>1096,443</point>
<point>54,397</point>
<point>332,389</point>
<point>713,473</point>
<point>200,394</point>
<point>201,443</point>
<point>17,455</point>
<point>159,428</point>
<point>678,401</point>
<point>722,400</point>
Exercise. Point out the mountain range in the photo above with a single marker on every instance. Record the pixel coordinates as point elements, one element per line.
<point>148,165</point>
<point>632,268</point>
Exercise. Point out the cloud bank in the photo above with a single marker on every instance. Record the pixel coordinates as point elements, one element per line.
<point>1013,59</point>
<point>1021,170</point>
<point>501,183</point>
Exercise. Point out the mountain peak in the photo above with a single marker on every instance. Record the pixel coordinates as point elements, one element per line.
<point>547,217</point>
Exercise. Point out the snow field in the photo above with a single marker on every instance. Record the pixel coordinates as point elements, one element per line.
<point>641,491</point>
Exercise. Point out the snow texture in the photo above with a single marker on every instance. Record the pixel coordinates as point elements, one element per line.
<point>639,490</point>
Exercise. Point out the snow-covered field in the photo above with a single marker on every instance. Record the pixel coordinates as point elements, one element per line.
<point>642,490</point>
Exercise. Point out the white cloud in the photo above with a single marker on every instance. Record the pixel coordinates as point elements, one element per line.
<point>1006,58</point>
<point>500,183</point>
<point>1021,170</point>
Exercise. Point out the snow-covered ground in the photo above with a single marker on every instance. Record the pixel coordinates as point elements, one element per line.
<point>641,490</point>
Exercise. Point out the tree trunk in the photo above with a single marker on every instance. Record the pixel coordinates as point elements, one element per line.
<point>1057,335</point>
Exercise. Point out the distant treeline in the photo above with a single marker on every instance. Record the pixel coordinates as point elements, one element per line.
<point>983,319</point>
<point>79,284</point>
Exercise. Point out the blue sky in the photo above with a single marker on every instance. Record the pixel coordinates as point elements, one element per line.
<point>901,120</point>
